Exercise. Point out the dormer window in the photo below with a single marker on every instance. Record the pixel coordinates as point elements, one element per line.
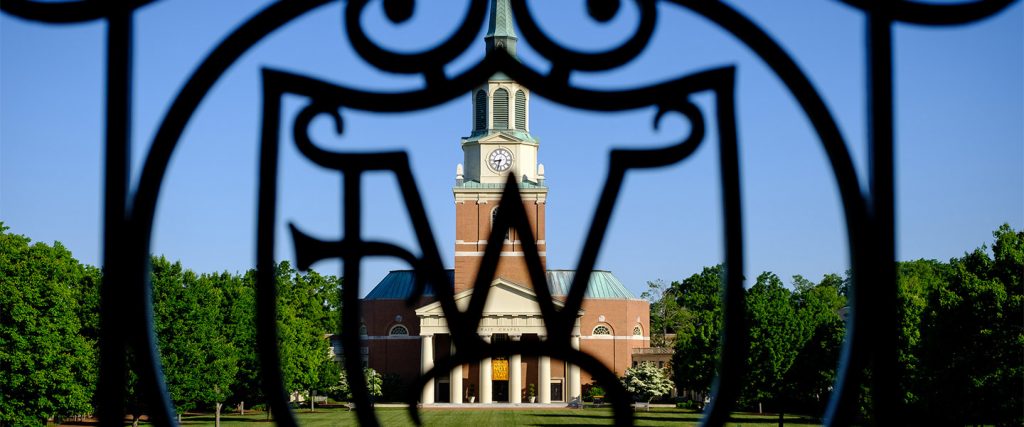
<point>520,110</point>
<point>480,111</point>
<point>500,109</point>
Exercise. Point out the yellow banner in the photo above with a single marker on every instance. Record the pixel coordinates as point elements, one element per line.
<point>499,369</point>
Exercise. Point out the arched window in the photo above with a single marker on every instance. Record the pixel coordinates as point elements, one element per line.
<point>602,330</point>
<point>480,111</point>
<point>494,217</point>
<point>398,330</point>
<point>520,110</point>
<point>362,329</point>
<point>638,331</point>
<point>501,109</point>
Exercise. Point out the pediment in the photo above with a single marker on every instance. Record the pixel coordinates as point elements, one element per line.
<point>499,138</point>
<point>504,298</point>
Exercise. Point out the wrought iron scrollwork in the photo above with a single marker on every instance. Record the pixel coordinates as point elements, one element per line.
<point>128,218</point>
<point>328,99</point>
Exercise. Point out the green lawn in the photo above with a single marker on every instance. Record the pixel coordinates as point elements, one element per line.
<point>499,417</point>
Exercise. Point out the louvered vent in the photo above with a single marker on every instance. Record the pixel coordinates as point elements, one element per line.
<point>520,110</point>
<point>480,111</point>
<point>501,109</point>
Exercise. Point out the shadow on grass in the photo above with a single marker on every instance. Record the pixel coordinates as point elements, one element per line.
<point>769,419</point>
<point>669,417</point>
<point>579,418</point>
<point>607,418</point>
<point>210,419</point>
<point>680,418</point>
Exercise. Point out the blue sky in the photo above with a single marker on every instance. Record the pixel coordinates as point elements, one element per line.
<point>959,136</point>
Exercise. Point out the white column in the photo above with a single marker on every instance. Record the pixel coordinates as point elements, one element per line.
<point>426,363</point>
<point>575,388</point>
<point>515,376</point>
<point>455,381</point>
<point>485,376</point>
<point>544,378</point>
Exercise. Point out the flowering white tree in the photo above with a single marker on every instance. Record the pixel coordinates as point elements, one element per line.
<point>374,384</point>
<point>646,382</point>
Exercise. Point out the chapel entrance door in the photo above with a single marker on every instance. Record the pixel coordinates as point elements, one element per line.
<point>443,395</point>
<point>500,390</point>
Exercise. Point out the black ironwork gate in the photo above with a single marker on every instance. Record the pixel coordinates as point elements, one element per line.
<point>128,217</point>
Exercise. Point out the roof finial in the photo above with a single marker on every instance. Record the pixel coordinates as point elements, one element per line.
<point>500,32</point>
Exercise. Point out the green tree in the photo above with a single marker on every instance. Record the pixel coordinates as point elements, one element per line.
<point>697,341</point>
<point>972,345</point>
<point>47,365</point>
<point>215,340</point>
<point>199,359</point>
<point>240,328</point>
<point>916,281</point>
<point>666,314</point>
<point>776,336</point>
<point>374,383</point>
<point>810,379</point>
<point>302,319</point>
<point>646,381</point>
<point>308,308</point>
<point>335,385</point>
<point>328,292</point>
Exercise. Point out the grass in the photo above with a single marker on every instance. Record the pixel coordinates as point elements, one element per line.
<point>498,417</point>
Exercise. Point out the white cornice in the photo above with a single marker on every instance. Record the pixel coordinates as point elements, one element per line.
<point>479,254</point>
<point>615,337</point>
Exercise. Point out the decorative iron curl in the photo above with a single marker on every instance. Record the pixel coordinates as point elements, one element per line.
<point>564,60</point>
<point>913,12</point>
<point>143,208</point>
<point>69,12</point>
<point>128,231</point>
<point>351,249</point>
<point>431,62</point>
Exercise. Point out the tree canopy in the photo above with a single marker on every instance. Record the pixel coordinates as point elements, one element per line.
<point>960,334</point>
<point>961,338</point>
<point>204,323</point>
<point>697,340</point>
<point>48,329</point>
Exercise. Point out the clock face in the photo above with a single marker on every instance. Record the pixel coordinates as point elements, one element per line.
<point>500,160</point>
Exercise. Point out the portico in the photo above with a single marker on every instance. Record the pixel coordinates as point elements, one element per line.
<point>510,313</point>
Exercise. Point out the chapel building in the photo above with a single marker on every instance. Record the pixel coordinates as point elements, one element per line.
<point>405,341</point>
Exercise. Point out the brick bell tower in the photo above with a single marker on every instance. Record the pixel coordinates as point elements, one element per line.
<point>499,145</point>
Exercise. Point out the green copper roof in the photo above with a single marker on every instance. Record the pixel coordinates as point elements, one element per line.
<point>398,284</point>
<point>500,76</point>
<point>602,285</point>
<point>501,20</point>
<point>501,34</point>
